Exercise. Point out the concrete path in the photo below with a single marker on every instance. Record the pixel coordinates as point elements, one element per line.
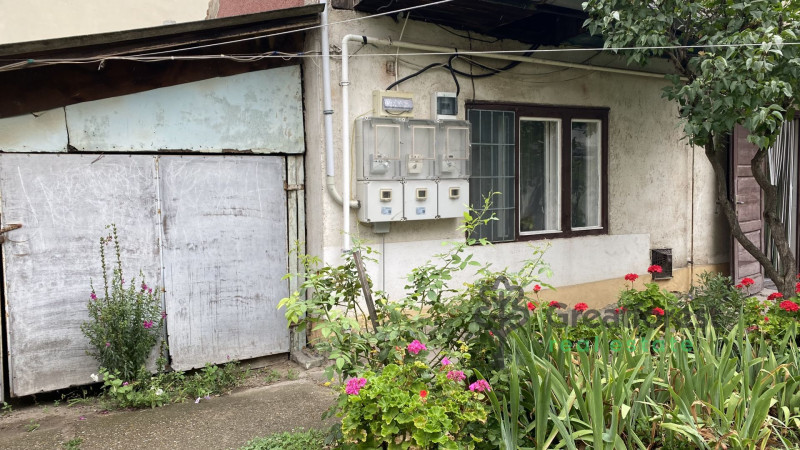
<point>222,422</point>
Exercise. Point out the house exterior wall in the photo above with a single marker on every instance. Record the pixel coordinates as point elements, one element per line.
<point>660,191</point>
<point>46,19</point>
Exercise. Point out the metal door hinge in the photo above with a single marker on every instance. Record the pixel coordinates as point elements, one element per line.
<point>293,187</point>
<point>9,227</point>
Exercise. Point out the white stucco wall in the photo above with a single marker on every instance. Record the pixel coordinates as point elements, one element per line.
<point>651,170</point>
<point>33,20</point>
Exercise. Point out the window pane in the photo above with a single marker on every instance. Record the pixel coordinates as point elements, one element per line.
<point>539,178</point>
<point>586,169</point>
<point>493,171</point>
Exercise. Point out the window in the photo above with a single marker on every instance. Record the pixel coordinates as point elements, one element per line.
<point>548,164</point>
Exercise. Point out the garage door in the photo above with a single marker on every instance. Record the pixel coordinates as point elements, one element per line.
<point>218,247</point>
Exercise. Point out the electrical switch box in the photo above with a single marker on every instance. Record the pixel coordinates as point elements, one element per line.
<point>452,198</point>
<point>378,142</point>
<point>381,200</point>
<point>419,199</point>
<point>454,145</point>
<point>418,149</point>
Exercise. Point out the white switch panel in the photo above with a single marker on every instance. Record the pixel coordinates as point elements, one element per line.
<point>453,198</point>
<point>419,199</point>
<point>381,201</point>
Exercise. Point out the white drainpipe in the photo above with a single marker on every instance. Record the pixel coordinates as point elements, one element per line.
<point>327,114</point>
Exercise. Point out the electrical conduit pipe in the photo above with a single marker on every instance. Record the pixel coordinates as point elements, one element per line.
<point>327,115</point>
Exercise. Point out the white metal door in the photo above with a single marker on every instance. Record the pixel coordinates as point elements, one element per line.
<point>225,235</point>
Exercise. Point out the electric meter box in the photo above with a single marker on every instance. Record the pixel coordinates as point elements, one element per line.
<point>418,149</point>
<point>419,199</point>
<point>378,142</point>
<point>381,201</point>
<point>452,198</point>
<point>453,149</point>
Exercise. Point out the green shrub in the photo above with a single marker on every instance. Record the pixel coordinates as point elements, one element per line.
<point>716,298</point>
<point>295,440</point>
<point>410,404</point>
<point>125,323</point>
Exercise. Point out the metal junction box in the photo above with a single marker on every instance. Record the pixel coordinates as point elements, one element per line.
<point>419,199</point>
<point>454,146</point>
<point>418,153</point>
<point>381,200</point>
<point>452,198</point>
<point>411,169</point>
<point>377,141</point>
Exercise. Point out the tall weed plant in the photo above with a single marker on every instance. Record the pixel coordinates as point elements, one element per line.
<point>125,317</point>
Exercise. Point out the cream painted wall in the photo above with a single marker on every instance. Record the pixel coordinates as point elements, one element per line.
<point>32,20</point>
<point>652,172</point>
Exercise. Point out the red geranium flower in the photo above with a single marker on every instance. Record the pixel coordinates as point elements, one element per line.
<point>631,277</point>
<point>423,393</point>
<point>531,306</point>
<point>739,286</point>
<point>555,304</point>
<point>658,311</point>
<point>788,305</point>
<point>766,319</point>
<point>537,288</point>
<point>616,311</point>
<point>581,307</point>
<point>655,268</point>
<point>748,281</point>
<point>775,296</point>
<point>797,288</point>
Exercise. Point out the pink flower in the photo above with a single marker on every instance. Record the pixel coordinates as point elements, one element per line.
<point>752,328</point>
<point>82,418</point>
<point>480,386</point>
<point>93,296</point>
<point>456,375</point>
<point>108,344</point>
<point>537,288</point>
<point>658,311</point>
<point>631,277</point>
<point>163,314</point>
<point>147,324</point>
<point>144,286</point>
<point>125,383</point>
<point>581,307</point>
<point>416,346</point>
<point>149,290</point>
<point>655,268</point>
<point>445,361</point>
<point>354,385</point>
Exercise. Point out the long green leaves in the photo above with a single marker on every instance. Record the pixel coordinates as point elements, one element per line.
<point>695,389</point>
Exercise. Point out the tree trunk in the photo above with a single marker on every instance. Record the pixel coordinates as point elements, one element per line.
<point>785,278</point>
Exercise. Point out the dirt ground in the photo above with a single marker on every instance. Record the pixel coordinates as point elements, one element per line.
<point>279,397</point>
